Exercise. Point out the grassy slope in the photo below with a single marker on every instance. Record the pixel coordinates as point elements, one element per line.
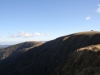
<point>84,61</point>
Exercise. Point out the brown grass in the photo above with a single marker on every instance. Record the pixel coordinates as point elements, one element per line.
<point>84,61</point>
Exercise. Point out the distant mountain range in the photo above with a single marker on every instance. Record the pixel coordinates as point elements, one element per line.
<point>13,50</point>
<point>74,54</point>
<point>4,46</point>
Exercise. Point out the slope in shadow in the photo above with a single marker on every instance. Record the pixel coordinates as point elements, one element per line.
<point>85,61</point>
<point>44,59</point>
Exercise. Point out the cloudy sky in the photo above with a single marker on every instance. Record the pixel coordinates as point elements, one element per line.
<point>43,20</point>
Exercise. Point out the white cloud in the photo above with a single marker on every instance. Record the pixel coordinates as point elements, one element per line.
<point>39,34</point>
<point>21,34</point>
<point>88,18</point>
<point>27,35</point>
<point>98,10</point>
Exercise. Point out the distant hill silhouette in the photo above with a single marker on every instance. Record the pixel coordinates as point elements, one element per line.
<point>4,46</point>
<point>46,58</point>
<point>13,50</point>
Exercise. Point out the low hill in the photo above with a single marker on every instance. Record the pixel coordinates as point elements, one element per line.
<point>13,50</point>
<point>43,60</point>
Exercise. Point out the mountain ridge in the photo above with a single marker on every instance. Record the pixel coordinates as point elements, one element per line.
<point>43,60</point>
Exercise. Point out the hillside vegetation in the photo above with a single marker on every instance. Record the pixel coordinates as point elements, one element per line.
<point>48,57</point>
<point>83,61</point>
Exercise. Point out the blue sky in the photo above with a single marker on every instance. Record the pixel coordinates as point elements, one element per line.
<point>42,20</point>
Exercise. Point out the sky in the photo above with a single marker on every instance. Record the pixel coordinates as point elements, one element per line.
<point>44,20</point>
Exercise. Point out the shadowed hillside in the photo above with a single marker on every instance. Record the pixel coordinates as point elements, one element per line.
<point>18,48</point>
<point>43,60</point>
<point>83,61</point>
